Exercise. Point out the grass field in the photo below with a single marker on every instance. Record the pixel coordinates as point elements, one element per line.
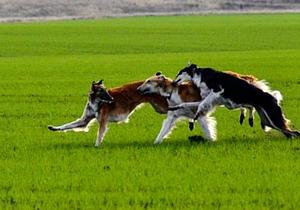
<point>45,73</point>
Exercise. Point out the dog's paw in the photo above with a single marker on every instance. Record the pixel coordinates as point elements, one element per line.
<point>157,142</point>
<point>251,123</point>
<point>242,117</point>
<point>191,126</point>
<point>174,108</point>
<point>52,128</point>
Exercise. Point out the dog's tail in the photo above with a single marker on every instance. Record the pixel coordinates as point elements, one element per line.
<point>271,115</point>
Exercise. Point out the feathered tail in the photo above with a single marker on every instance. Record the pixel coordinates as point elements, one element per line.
<point>271,115</point>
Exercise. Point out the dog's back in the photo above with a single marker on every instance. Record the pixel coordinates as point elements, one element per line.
<point>242,92</point>
<point>189,92</point>
<point>127,98</point>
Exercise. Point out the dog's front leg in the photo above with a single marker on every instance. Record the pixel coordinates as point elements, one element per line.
<point>208,103</point>
<point>167,125</point>
<point>87,116</point>
<point>208,125</point>
<point>103,121</point>
<point>184,105</point>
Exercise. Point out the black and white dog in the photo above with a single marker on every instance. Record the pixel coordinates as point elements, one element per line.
<point>218,88</point>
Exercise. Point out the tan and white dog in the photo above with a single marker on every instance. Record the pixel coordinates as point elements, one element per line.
<point>115,105</point>
<point>186,92</point>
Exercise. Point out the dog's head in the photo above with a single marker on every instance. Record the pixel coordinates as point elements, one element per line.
<point>156,84</point>
<point>98,93</point>
<point>185,74</point>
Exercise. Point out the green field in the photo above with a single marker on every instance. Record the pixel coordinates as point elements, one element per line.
<point>45,73</point>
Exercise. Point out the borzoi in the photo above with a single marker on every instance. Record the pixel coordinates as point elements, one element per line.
<point>187,92</point>
<point>100,106</point>
<point>218,88</point>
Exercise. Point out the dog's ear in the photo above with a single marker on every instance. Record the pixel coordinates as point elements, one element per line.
<point>161,77</point>
<point>158,73</point>
<point>100,82</point>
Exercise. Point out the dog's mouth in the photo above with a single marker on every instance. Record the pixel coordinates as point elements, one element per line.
<point>106,101</point>
<point>145,91</point>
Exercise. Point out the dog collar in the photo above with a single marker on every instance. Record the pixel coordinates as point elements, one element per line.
<point>170,95</point>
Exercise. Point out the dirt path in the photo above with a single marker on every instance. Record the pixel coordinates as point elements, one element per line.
<point>30,10</point>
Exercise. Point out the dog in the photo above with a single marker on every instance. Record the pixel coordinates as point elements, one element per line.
<point>113,105</point>
<point>186,92</point>
<point>97,96</point>
<point>219,88</point>
<point>189,93</point>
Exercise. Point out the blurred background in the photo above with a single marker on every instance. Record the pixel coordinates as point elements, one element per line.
<point>18,10</point>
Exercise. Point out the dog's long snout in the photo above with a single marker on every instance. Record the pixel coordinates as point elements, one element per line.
<point>174,83</point>
<point>142,90</point>
<point>139,89</point>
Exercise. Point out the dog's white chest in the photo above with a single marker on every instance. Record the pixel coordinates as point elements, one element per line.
<point>118,118</point>
<point>204,90</point>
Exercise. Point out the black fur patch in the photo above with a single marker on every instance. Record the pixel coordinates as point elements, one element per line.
<point>241,92</point>
<point>190,70</point>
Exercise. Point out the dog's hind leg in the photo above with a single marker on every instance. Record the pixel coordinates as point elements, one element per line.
<point>291,133</point>
<point>81,123</point>
<point>242,115</point>
<point>251,116</point>
<point>166,127</point>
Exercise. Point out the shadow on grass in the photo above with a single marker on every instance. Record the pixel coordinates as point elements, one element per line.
<point>192,141</point>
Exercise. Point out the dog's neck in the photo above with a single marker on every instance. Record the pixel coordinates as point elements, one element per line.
<point>96,105</point>
<point>196,79</point>
<point>167,88</point>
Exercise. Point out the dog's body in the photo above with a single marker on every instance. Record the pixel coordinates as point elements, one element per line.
<point>218,88</point>
<point>125,100</point>
<point>176,95</point>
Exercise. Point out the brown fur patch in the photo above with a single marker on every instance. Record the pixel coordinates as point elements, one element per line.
<point>249,78</point>
<point>127,98</point>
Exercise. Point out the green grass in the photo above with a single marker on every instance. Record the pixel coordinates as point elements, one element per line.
<point>46,70</point>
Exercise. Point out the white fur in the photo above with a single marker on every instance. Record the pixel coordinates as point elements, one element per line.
<point>84,129</point>
<point>209,124</point>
